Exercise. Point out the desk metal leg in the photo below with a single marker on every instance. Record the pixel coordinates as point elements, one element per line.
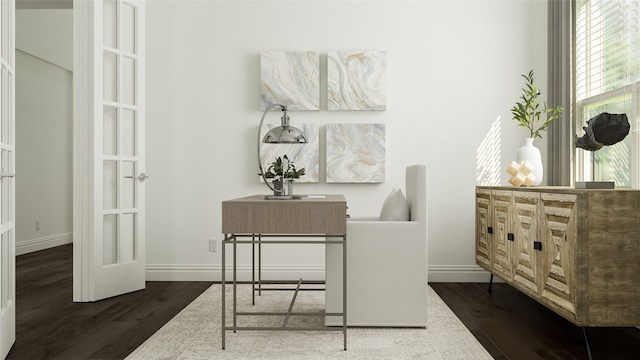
<point>259,265</point>
<point>344,289</point>
<point>233,239</point>
<point>253,270</point>
<point>223,290</point>
<point>235,282</point>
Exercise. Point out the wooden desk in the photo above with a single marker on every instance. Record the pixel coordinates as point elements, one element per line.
<point>309,215</point>
<point>264,222</point>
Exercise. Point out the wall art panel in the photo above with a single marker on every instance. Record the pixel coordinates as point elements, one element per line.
<point>357,80</point>
<point>355,153</point>
<point>290,78</point>
<point>303,155</point>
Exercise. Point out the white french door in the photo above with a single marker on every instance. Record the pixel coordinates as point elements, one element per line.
<point>109,216</point>
<point>7,182</point>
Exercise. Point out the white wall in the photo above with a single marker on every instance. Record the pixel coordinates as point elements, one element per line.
<point>43,129</point>
<point>453,71</point>
<point>46,34</point>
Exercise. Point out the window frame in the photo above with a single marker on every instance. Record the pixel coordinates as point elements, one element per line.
<point>582,164</point>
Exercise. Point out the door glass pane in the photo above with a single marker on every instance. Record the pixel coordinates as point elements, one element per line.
<point>128,22</point>
<point>110,185</point>
<point>110,131</point>
<point>4,41</point>
<point>128,132</point>
<point>127,237</point>
<point>5,106</point>
<point>5,186</point>
<point>128,185</point>
<point>110,17</point>
<point>110,73</point>
<point>8,266</point>
<point>4,270</point>
<point>3,209</point>
<point>128,80</point>
<point>110,240</point>
<point>3,273</point>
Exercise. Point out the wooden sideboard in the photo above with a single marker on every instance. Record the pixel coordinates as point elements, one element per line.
<point>576,251</point>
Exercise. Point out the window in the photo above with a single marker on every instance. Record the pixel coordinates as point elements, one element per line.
<point>608,80</point>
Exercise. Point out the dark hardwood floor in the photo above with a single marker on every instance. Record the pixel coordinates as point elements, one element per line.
<point>49,325</point>
<point>509,324</point>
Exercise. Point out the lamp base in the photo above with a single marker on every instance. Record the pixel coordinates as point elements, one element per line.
<point>283,197</point>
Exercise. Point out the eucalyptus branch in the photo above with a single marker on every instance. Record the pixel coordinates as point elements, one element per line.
<point>528,112</point>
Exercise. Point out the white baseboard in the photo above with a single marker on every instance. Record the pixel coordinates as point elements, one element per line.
<point>31,245</point>
<point>186,272</point>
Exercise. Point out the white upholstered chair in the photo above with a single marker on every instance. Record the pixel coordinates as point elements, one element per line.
<point>387,266</point>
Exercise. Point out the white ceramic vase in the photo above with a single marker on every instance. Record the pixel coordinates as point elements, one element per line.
<point>528,152</point>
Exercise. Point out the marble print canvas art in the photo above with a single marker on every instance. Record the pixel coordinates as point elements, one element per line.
<point>356,80</point>
<point>303,155</point>
<point>355,153</point>
<point>290,78</point>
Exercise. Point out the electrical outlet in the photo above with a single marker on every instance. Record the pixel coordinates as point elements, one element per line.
<point>37,225</point>
<point>213,245</point>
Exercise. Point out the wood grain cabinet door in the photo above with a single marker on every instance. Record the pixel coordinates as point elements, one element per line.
<point>483,223</point>
<point>526,232</point>
<point>559,232</point>
<point>501,204</point>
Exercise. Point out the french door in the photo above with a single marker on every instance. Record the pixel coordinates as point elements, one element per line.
<point>7,182</point>
<point>109,172</point>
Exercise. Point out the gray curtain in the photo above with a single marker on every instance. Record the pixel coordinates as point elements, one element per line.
<point>561,91</point>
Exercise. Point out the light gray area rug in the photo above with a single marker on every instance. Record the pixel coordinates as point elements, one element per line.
<point>195,333</point>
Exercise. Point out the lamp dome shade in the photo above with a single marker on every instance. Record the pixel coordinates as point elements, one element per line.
<point>285,134</point>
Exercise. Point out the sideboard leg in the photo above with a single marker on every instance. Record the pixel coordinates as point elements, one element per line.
<point>586,342</point>
<point>490,282</point>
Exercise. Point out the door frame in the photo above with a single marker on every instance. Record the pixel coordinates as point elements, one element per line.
<point>82,177</point>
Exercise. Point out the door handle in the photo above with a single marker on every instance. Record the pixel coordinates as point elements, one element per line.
<point>6,175</point>
<point>143,177</point>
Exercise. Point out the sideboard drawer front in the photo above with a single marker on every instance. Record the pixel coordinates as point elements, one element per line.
<point>483,232</point>
<point>526,229</point>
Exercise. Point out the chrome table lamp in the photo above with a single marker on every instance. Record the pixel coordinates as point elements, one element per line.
<point>283,134</point>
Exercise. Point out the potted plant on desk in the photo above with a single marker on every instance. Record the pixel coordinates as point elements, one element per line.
<point>277,172</point>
